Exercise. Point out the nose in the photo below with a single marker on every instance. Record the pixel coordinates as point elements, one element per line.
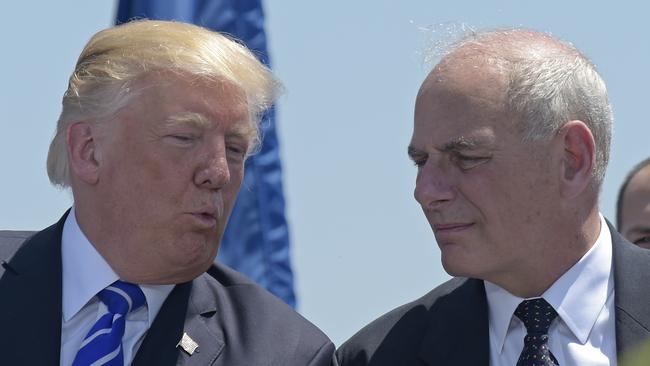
<point>433,188</point>
<point>213,172</point>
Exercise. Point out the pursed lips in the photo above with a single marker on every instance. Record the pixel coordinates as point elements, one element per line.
<point>209,212</point>
<point>204,219</point>
<point>207,216</point>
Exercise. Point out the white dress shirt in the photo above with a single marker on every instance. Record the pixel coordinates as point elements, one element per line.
<point>85,273</point>
<point>584,331</point>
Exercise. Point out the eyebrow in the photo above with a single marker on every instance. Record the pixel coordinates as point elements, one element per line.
<point>193,119</point>
<point>455,145</point>
<point>245,130</point>
<point>464,143</point>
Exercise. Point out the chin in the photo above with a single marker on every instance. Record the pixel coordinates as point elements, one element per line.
<point>197,248</point>
<point>198,263</point>
<point>455,267</point>
<point>452,271</point>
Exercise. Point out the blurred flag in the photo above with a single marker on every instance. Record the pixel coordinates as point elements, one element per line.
<point>256,241</point>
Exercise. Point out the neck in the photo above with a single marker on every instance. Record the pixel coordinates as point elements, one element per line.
<point>553,260</point>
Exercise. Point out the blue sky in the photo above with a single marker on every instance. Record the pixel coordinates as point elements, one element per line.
<point>351,70</point>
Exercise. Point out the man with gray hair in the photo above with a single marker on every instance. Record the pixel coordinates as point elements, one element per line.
<point>511,141</point>
<point>156,125</point>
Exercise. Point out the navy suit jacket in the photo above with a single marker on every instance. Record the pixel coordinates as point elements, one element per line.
<point>449,325</point>
<point>234,321</point>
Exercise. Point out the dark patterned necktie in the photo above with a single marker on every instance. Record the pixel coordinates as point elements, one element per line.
<point>537,315</point>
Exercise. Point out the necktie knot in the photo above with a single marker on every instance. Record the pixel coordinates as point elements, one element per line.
<point>122,297</point>
<point>536,314</point>
<point>103,344</point>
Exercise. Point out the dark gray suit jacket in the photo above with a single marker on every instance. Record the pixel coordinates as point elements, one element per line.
<point>449,325</point>
<point>234,321</point>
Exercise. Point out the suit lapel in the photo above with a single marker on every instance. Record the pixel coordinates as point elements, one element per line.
<point>159,345</point>
<point>458,332</point>
<point>31,301</point>
<point>202,327</point>
<point>632,293</point>
<point>187,310</point>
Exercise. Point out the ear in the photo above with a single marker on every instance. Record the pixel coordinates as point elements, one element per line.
<point>82,152</point>
<point>579,157</point>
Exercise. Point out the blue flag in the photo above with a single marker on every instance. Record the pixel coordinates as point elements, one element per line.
<point>256,241</point>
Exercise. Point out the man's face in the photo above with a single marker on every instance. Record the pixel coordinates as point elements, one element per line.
<point>171,164</point>
<point>486,194</point>
<point>635,211</point>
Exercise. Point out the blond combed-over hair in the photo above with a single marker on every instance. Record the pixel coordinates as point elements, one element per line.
<point>114,59</point>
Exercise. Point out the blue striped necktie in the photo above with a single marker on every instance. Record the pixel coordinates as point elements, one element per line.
<point>103,344</point>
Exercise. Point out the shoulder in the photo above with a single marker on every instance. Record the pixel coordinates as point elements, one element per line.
<point>401,330</point>
<point>257,319</point>
<point>10,242</point>
<point>408,318</point>
<point>254,303</point>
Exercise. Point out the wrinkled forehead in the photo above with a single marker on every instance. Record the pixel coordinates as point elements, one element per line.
<point>167,99</point>
<point>161,81</point>
<point>468,88</point>
<point>218,98</point>
<point>462,98</point>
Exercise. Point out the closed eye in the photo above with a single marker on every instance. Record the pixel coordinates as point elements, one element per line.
<point>419,162</point>
<point>465,162</point>
<point>182,138</point>
<point>419,158</point>
<point>237,151</point>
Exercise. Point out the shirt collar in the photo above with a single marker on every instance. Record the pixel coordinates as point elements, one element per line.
<point>578,295</point>
<point>501,307</point>
<point>581,293</point>
<point>85,273</point>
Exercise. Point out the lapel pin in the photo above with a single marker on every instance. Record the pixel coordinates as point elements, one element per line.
<point>188,344</point>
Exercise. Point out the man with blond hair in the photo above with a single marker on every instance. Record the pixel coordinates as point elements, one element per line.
<point>156,125</point>
<point>511,141</point>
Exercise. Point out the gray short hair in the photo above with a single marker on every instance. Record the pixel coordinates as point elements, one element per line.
<point>550,83</point>
<point>116,58</point>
